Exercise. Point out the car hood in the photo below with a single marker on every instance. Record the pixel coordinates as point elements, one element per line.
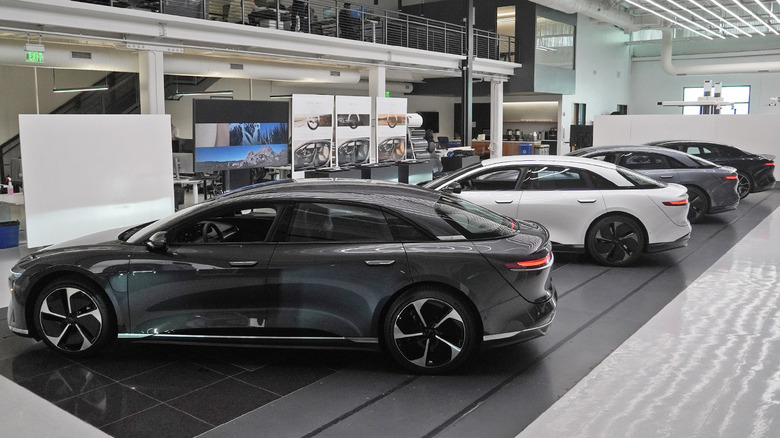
<point>101,237</point>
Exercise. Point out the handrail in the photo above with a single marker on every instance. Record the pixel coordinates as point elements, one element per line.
<point>331,18</point>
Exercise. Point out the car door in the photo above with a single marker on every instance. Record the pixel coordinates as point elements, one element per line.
<point>209,278</point>
<point>494,188</point>
<point>563,199</point>
<point>654,165</point>
<point>334,264</point>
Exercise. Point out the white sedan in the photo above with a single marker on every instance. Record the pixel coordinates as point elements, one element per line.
<point>613,213</point>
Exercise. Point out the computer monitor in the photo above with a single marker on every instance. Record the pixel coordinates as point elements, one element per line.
<point>183,164</point>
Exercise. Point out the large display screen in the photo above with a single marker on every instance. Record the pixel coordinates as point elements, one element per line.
<point>240,134</point>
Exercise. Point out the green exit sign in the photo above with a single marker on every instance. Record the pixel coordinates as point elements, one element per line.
<point>36,57</point>
<point>387,93</point>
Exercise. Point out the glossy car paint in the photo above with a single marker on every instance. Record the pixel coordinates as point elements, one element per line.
<point>757,168</point>
<point>297,293</point>
<point>719,183</point>
<point>568,214</point>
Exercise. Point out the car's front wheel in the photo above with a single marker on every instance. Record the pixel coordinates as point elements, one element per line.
<point>615,241</point>
<point>744,185</point>
<point>429,331</point>
<point>73,318</point>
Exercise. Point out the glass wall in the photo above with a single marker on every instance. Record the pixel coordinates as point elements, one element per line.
<point>554,43</point>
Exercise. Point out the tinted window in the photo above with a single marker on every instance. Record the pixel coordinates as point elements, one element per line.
<point>639,180</point>
<point>324,222</point>
<point>644,161</point>
<point>473,221</point>
<point>240,225</point>
<point>403,231</point>
<point>500,179</point>
<point>608,157</point>
<point>555,178</point>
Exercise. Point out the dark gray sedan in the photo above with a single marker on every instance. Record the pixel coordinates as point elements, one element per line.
<point>711,188</point>
<point>351,264</point>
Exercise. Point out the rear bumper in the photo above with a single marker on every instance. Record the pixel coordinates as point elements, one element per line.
<point>542,315</point>
<point>721,208</point>
<point>664,246</point>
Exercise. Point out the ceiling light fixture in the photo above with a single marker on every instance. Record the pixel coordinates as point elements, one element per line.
<point>738,18</point>
<point>666,18</point>
<point>753,14</point>
<point>80,89</point>
<point>701,18</point>
<point>685,18</point>
<point>771,14</point>
<point>204,93</point>
<point>721,18</point>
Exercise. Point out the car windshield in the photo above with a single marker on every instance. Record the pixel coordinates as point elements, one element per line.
<point>473,221</point>
<point>451,177</point>
<point>639,180</point>
<point>138,234</point>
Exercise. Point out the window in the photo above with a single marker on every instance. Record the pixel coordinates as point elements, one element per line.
<point>554,43</point>
<point>473,221</point>
<point>555,178</point>
<point>244,224</point>
<point>501,179</point>
<point>739,95</point>
<point>645,161</point>
<point>324,222</point>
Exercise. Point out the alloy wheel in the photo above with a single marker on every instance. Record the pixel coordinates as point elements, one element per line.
<point>697,205</point>
<point>617,241</point>
<point>429,332</point>
<point>743,185</point>
<point>70,319</point>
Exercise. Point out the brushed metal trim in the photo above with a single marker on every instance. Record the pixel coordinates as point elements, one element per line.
<point>18,330</point>
<point>366,340</point>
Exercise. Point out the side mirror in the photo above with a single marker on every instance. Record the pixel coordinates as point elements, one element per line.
<point>158,242</point>
<point>454,187</point>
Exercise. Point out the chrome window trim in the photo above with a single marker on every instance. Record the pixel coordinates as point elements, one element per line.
<point>365,340</point>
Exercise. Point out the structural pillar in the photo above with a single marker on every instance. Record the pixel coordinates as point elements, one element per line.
<point>377,84</point>
<point>151,75</point>
<point>466,68</point>
<point>496,118</point>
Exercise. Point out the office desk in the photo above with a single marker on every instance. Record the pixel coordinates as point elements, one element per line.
<point>194,183</point>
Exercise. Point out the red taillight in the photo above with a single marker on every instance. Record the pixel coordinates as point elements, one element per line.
<point>530,264</point>
<point>771,163</point>
<point>730,177</point>
<point>676,203</point>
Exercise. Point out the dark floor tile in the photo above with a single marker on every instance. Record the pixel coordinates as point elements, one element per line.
<point>65,383</point>
<point>122,360</point>
<point>159,422</point>
<point>247,358</point>
<point>285,377</point>
<point>173,380</point>
<point>223,401</point>
<point>34,359</point>
<point>107,404</point>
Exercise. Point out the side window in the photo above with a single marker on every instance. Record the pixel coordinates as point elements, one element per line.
<point>328,222</point>
<point>609,158</point>
<point>403,231</point>
<point>555,178</point>
<point>244,224</point>
<point>501,179</point>
<point>707,152</point>
<point>693,150</point>
<point>643,161</point>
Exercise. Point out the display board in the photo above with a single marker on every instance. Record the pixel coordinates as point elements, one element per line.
<point>353,130</point>
<point>312,132</point>
<point>240,134</point>
<point>390,129</point>
<point>757,133</point>
<point>90,173</point>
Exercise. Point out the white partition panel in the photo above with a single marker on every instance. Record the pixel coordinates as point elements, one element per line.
<point>757,133</point>
<point>89,173</point>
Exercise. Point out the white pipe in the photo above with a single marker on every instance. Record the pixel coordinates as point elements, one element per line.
<point>709,69</point>
<point>593,9</point>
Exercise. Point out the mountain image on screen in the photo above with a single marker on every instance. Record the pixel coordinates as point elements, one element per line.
<point>248,145</point>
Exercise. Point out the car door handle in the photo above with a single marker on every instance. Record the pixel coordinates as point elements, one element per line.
<point>504,201</point>
<point>586,201</point>
<point>667,176</point>
<point>379,262</point>
<point>243,263</point>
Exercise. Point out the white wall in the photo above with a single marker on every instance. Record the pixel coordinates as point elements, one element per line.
<point>603,65</point>
<point>444,105</point>
<point>651,84</point>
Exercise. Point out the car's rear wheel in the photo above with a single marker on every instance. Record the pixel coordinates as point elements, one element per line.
<point>698,205</point>
<point>615,241</point>
<point>430,331</point>
<point>744,185</point>
<point>73,318</point>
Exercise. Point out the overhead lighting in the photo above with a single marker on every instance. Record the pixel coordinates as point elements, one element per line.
<point>771,14</point>
<point>686,19</point>
<point>738,18</point>
<point>720,18</point>
<point>80,89</point>
<point>753,14</point>
<point>204,93</point>
<point>701,18</point>
<point>667,18</point>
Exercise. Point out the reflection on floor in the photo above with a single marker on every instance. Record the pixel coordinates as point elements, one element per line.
<point>153,390</point>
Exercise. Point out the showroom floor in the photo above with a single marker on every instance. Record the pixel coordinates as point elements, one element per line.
<point>704,366</point>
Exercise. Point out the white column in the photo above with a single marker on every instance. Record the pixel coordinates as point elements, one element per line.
<point>496,118</point>
<point>151,77</point>
<point>376,88</point>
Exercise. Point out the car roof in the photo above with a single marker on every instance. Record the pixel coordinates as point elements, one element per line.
<point>638,148</point>
<point>346,187</point>
<point>547,159</point>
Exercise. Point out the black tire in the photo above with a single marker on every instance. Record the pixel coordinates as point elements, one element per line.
<point>429,331</point>
<point>744,185</point>
<point>73,318</point>
<point>615,241</point>
<point>698,205</point>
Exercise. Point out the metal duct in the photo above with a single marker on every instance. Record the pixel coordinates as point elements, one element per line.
<point>709,69</point>
<point>593,9</point>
